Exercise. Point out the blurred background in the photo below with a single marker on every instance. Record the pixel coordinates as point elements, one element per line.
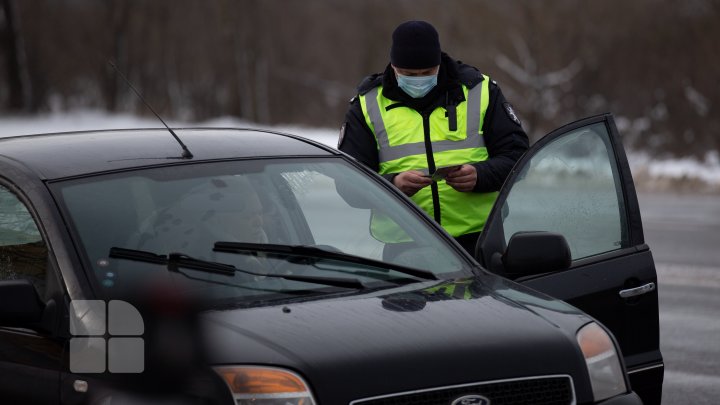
<point>294,64</point>
<point>653,63</point>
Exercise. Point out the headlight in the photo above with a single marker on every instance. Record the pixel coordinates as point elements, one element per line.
<point>265,386</point>
<point>606,374</point>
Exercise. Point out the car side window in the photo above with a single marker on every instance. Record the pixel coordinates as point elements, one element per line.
<point>572,187</point>
<point>23,253</point>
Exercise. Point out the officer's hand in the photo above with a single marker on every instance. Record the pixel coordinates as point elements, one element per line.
<point>462,179</point>
<point>411,182</point>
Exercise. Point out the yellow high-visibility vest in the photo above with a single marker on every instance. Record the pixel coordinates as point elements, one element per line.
<point>399,132</point>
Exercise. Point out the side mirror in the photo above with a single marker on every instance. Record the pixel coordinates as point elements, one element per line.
<point>530,253</point>
<point>20,304</point>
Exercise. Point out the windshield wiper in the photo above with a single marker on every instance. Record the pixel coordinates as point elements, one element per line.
<point>174,261</point>
<point>312,252</point>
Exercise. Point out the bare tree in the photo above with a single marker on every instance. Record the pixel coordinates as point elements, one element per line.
<point>298,61</point>
<point>16,71</point>
<point>541,91</point>
<point>117,16</point>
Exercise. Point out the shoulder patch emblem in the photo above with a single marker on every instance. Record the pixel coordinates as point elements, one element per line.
<point>342,135</point>
<point>511,113</point>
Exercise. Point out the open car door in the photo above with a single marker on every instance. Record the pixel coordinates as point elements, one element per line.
<point>576,183</point>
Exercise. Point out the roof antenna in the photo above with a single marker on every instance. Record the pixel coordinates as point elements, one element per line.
<point>185,151</point>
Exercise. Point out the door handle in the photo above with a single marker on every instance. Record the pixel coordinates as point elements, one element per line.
<point>634,292</point>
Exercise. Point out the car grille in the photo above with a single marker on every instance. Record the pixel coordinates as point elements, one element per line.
<point>551,390</point>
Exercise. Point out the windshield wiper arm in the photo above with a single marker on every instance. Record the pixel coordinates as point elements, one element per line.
<point>173,261</point>
<point>317,253</point>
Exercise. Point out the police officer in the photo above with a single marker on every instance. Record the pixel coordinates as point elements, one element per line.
<point>438,129</point>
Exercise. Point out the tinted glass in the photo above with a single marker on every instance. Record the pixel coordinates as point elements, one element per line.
<point>571,186</point>
<point>23,254</point>
<point>186,209</point>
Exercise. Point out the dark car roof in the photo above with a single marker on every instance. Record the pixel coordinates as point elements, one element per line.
<point>68,154</point>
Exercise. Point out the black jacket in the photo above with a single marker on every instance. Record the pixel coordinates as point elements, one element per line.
<point>504,137</point>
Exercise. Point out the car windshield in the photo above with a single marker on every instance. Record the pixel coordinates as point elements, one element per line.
<point>189,209</point>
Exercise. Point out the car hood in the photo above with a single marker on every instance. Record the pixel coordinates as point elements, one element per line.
<point>415,337</point>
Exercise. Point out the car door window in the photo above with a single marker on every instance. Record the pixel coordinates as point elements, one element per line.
<point>23,254</point>
<point>572,187</point>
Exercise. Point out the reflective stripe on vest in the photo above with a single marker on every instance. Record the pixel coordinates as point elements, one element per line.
<point>473,138</point>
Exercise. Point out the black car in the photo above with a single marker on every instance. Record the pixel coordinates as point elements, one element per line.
<point>246,269</point>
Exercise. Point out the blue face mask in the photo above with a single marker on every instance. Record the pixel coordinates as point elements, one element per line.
<point>416,86</point>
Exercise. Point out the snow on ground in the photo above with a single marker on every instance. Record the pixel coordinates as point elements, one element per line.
<point>650,174</point>
<point>83,120</point>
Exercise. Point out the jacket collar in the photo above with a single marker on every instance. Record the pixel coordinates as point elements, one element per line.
<point>448,89</point>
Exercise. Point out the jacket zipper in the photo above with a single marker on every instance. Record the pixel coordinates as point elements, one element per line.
<point>431,166</point>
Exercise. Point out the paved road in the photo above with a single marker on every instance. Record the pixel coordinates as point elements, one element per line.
<point>684,235</point>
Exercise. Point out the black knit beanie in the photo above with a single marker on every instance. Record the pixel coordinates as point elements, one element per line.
<point>415,45</point>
